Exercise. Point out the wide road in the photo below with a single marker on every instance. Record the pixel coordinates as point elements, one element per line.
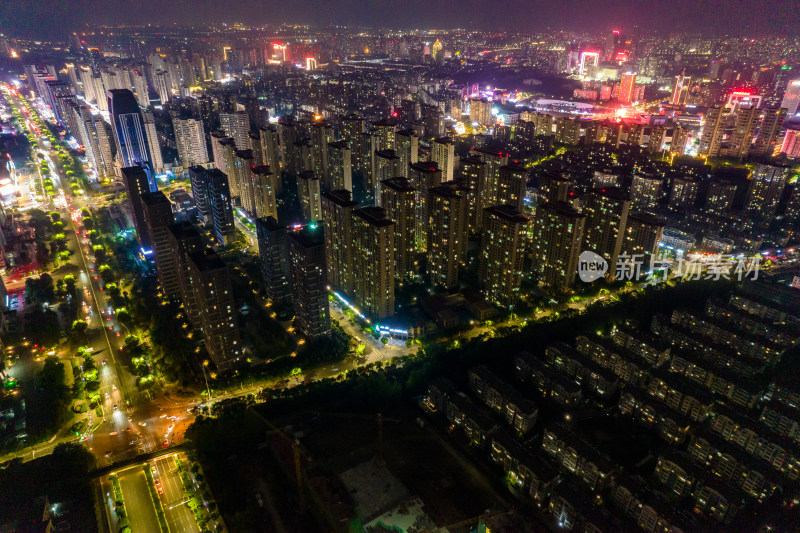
<point>138,502</point>
<point>179,516</point>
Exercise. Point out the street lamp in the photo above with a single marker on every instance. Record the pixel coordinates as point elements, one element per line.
<point>208,389</point>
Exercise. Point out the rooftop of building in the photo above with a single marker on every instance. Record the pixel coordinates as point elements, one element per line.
<point>387,154</point>
<point>425,166</point>
<point>261,170</point>
<point>155,198</point>
<point>184,230</point>
<point>374,215</point>
<point>507,212</point>
<point>207,260</point>
<point>309,236</point>
<point>399,184</point>
<point>341,197</point>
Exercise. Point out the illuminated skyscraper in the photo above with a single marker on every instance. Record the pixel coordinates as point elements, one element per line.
<point>129,129</point>
<point>384,131</point>
<point>213,200</point>
<point>321,135</point>
<point>719,199</point>
<point>443,154</point>
<point>683,193</point>
<point>502,254</point>
<point>771,123</point>
<point>398,199</point>
<point>680,88</point>
<point>191,141</point>
<point>557,238</point>
<point>264,186</point>
<point>308,190</point>
<point>791,98</point>
<point>273,250</point>
<point>184,239</point>
<point>374,261</point>
<point>472,171</point>
<point>646,189</point>
<point>270,151</point>
<point>643,232</point>
<point>493,160</point>
<point>138,182</point>
<point>627,85</point>
<point>407,149</point>
<point>511,184</point>
<point>158,217</point>
<point>741,138</point>
<point>385,165</point>
<point>606,215</point>
<point>713,130</point>
<point>423,176</point>
<point>766,187</point>
<point>241,185</point>
<point>212,286</point>
<point>337,215</point>
<point>237,125</point>
<point>436,49</point>
<point>309,284</point>
<point>447,233</point>
<point>340,168</point>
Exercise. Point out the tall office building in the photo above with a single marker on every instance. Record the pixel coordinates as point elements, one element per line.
<point>273,249</point>
<point>309,192</point>
<point>309,284</point>
<point>791,98</point>
<point>627,85</point>
<point>398,199</point>
<point>236,125</point>
<point>443,154</point>
<point>158,217</point>
<point>502,254</point>
<point>265,192</point>
<point>214,293</point>
<point>447,233</point>
<point>138,182</point>
<point>407,149</point>
<point>270,150</point>
<point>184,239</point>
<point>212,198</point>
<point>680,89</point>
<point>511,184</point>
<point>340,169</point>
<point>139,81</point>
<point>303,157</point>
<point>557,238</point>
<point>423,176</point>
<point>606,214</point>
<point>191,141</point>
<point>152,141</point>
<point>337,216</point>
<point>287,136</point>
<point>713,131</point>
<point>385,165</point>
<point>241,185</point>
<point>95,136</point>
<point>768,131</point>
<point>130,134</point>
<point>643,232</point>
<point>766,187</point>
<point>741,137</point>
<point>255,143</point>
<point>472,171</point>
<point>55,94</point>
<point>374,264</point>
<point>223,149</point>
<point>321,136</point>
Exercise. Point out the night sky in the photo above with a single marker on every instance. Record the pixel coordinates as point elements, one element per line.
<point>32,18</point>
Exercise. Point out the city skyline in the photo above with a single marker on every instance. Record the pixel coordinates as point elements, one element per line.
<point>717,17</point>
